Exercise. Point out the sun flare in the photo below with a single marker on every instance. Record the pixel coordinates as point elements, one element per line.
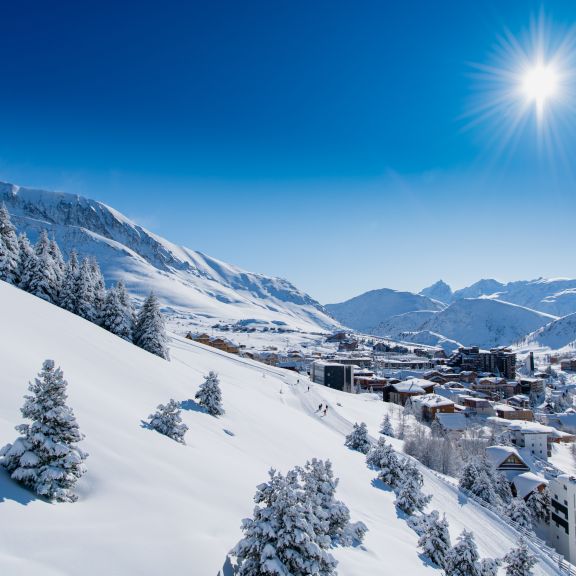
<point>540,83</point>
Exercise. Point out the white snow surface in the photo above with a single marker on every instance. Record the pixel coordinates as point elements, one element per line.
<point>556,335</point>
<point>192,284</point>
<point>149,505</point>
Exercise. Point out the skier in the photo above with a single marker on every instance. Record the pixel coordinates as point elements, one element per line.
<point>319,408</point>
<point>308,387</point>
<point>325,409</point>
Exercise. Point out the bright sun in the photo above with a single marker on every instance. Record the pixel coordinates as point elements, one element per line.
<point>540,83</point>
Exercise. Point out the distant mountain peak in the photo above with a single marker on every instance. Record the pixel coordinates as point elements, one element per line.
<point>438,291</point>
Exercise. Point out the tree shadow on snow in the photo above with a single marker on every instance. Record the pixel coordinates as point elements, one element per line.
<point>11,490</point>
<point>377,483</point>
<point>426,561</point>
<point>192,406</point>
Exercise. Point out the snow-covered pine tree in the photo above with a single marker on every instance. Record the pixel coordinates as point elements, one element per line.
<point>462,559</point>
<point>98,288</point>
<point>358,438</point>
<point>539,505</point>
<point>84,291</point>
<point>390,466</point>
<point>46,457</point>
<point>280,538</point>
<point>483,487</point>
<point>116,318</point>
<point>409,495</point>
<point>9,249</point>
<point>333,516</point>
<point>377,454</point>
<point>502,487</point>
<point>59,265</point>
<point>43,279</point>
<point>209,394</point>
<point>68,299</point>
<point>519,513</point>
<point>468,474</point>
<point>386,427</point>
<point>149,331</point>
<point>26,262</point>
<point>519,561</point>
<point>168,421</point>
<point>435,539</point>
<point>488,567</point>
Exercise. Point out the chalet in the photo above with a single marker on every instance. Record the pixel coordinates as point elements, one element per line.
<point>497,387</point>
<point>508,412</point>
<point>400,392</point>
<point>519,401</point>
<point>526,483</point>
<point>220,343</point>
<point>507,460</point>
<point>452,422</point>
<point>370,383</point>
<point>477,405</point>
<point>431,404</point>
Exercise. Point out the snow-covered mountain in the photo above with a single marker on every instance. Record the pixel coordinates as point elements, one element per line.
<point>483,287</point>
<point>558,334</point>
<point>367,311</point>
<point>486,322</point>
<point>438,291</point>
<point>148,505</point>
<point>191,283</point>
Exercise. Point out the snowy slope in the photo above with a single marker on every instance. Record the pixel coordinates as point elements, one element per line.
<point>149,505</point>
<point>555,296</point>
<point>398,325</point>
<point>192,283</point>
<point>367,311</point>
<point>553,336</point>
<point>486,322</point>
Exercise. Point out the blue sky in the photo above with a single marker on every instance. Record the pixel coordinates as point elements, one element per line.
<point>328,142</point>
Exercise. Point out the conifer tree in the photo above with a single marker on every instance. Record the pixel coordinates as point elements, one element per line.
<point>116,318</point>
<point>280,538</point>
<point>389,465</point>
<point>9,249</point>
<point>43,279</point>
<point>539,505</point>
<point>46,457</point>
<point>519,561</point>
<point>209,394</point>
<point>358,438</point>
<point>84,292</point>
<point>26,262</point>
<point>386,427</point>
<point>59,265</point>
<point>409,495</point>
<point>377,454</point>
<point>168,421</point>
<point>435,539</point>
<point>68,298</point>
<point>333,516</point>
<point>462,559</point>
<point>98,288</point>
<point>519,513</point>
<point>149,331</point>
<point>488,567</point>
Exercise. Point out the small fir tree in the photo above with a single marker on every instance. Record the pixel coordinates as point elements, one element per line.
<point>462,559</point>
<point>358,438</point>
<point>519,513</point>
<point>409,495</point>
<point>519,561</point>
<point>9,248</point>
<point>168,421</point>
<point>390,467</point>
<point>386,427</point>
<point>488,567</point>
<point>435,539</point>
<point>150,332</point>
<point>98,289</point>
<point>116,317</point>
<point>209,394</point>
<point>84,291</point>
<point>539,505</point>
<point>26,262</point>
<point>68,298</point>
<point>43,279</point>
<point>280,538</point>
<point>46,457</point>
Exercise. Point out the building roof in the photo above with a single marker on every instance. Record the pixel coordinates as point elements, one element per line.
<point>530,427</point>
<point>504,408</point>
<point>527,482</point>
<point>433,400</point>
<point>452,420</point>
<point>408,387</point>
<point>498,454</point>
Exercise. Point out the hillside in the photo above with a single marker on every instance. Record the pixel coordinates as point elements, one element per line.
<point>193,284</point>
<point>485,322</point>
<point>149,505</point>
<point>438,291</point>
<point>367,311</point>
<point>558,334</point>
